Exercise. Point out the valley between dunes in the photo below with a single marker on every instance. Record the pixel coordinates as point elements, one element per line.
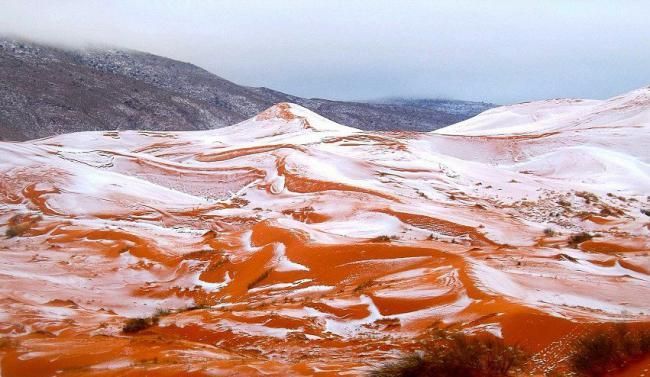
<point>292,245</point>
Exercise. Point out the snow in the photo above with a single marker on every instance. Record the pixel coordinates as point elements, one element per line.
<point>283,263</point>
<point>282,123</point>
<point>559,302</point>
<point>317,121</point>
<point>114,364</point>
<point>255,329</point>
<point>311,289</point>
<point>464,208</point>
<point>593,165</point>
<point>603,144</point>
<point>374,225</point>
<point>630,110</point>
<point>350,327</point>
<point>520,119</point>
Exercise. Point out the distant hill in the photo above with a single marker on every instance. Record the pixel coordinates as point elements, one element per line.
<point>453,107</point>
<point>47,90</point>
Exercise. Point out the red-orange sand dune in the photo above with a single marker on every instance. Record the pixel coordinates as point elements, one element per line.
<point>291,245</point>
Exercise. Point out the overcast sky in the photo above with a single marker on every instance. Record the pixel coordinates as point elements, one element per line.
<point>498,51</point>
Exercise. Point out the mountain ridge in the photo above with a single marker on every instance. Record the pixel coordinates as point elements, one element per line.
<point>47,90</point>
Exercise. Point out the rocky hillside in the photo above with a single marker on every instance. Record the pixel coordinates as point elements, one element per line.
<point>46,91</point>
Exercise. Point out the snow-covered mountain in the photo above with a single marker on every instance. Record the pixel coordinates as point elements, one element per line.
<point>288,244</point>
<point>46,91</point>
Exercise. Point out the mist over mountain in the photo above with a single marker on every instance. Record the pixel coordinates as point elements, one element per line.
<point>46,90</point>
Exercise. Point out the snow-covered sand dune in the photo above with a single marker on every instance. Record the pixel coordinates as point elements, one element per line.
<point>294,233</point>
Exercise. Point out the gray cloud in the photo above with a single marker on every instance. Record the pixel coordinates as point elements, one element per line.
<point>500,51</point>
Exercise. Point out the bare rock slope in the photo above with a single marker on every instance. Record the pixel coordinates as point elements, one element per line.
<point>46,91</point>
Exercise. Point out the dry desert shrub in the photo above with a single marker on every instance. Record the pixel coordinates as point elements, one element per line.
<point>602,352</point>
<point>457,355</point>
<point>134,325</point>
<point>549,232</point>
<point>578,238</point>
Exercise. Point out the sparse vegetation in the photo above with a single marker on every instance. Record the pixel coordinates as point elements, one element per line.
<point>455,355</point>
<point>134,325</point>
<point>563,256</point>
<point>20,224</point>
<point>259,279</point>
<point>161,313</point>
<point>17,229</point>
<point>194,307</point>
<point>12,231</point>
<point>587,196</point>
<point>611,211</point>
<point>364,285</point>
<point>383,238</point>
<point>578,238</point>
<point>564,203</point>
<point>548,232</point>
<point>604,351</point>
